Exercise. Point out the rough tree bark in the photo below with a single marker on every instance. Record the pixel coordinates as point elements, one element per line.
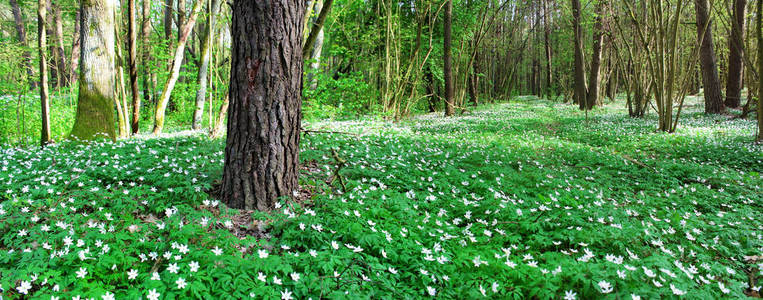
<point>592,97</point>
<point>21,34</point>
<point>132,50</point>
<point>579,66</point>
<point>177,62</point>
<point>206,54</point>
<point>42,46</point>
<point>707,60</point>
<point>261,153</point>
<point>95,104</point>
<point>734,78</point>
<point>446,57</point>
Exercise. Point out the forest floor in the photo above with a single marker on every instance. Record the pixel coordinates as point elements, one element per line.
<point>527,199</point>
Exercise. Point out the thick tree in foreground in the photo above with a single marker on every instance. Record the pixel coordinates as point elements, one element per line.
<point>707,59</point>
<point>95,104</point>
<point>261,151</point>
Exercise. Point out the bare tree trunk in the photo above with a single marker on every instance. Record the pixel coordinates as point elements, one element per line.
<point>58,30</point>
<point>146,49</point>
<point>132,46</point>
<point>21,33</point>
<point>760,68</point>
<point>262,146</point>
<point>180,15</point>
<point>161,105</point>
<point>307,50</point>
<point>76,40</point>
<point>168,20</point>
<point>95,105</point>
<point>447,69</point>
<point>598,39</point>
<point>736,66</point>
<point>581,90</point>
<point>206,54</point>
<point>547,45</point>
<point>42,46</point>
<point>217,130</point>
<point>710,81</point>
<point>431,93</point>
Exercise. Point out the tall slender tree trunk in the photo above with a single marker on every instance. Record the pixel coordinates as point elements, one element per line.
<point>547,46</point>
<point>18,20</point>
<point>431,93</point>
<point>42,46</point>
<point>203,77</point>
<point>217,129</point>
<point>146,49</point>
<point>132,46</point>
<point>262,147</point>
<point>598,39</point>
<point>315,57</point>
<point>168,20</point>
<point>736,65</point>
<point>180,15</point>
<point>760,67</point>
<point>76,40</point>
<point>581,90</point>
<point>449,105</point>
<point>95,104</point>
<point>58,30</point>
<point>317,28</point>
<point>161,105</point>
<point>707,60</point>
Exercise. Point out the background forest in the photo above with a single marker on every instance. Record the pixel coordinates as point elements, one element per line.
<point>386,58</point>
<point>379,149</point>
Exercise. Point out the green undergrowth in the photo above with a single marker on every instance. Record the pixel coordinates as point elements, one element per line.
<point>522,200</point>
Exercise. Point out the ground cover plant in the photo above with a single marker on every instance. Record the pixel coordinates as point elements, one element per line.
<point>528,199</point>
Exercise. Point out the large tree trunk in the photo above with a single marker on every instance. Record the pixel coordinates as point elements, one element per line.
<point>262,147</point>
<point>707,60</point>
<point>161,105</point>
<point>132,46</point>
<point>42,46</point>
<point>74,60</point>
<point>203,78</point>
<point>21,33</point>
<point>95,104</point>
<point>446,57</point>
<point>734,78</point>
<point>580,84</point>
<point>598,39</point>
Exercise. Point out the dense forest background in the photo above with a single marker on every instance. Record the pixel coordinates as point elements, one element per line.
<point>386,58</point>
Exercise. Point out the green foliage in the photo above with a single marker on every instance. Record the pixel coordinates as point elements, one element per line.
<point>346,96</point>
<point>514,201</point>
